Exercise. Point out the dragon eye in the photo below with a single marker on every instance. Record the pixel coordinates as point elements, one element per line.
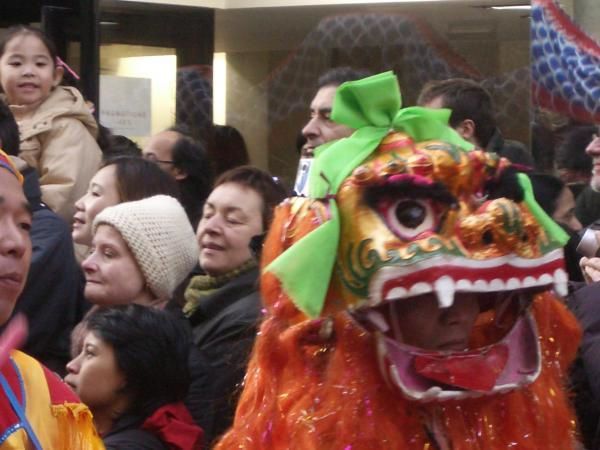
<point>410,214</point>
<point>408,218</point>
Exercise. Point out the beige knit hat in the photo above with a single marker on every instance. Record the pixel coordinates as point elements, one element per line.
<point>160,236</point>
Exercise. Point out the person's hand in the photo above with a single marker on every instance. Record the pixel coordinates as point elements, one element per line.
<point>590,267</point>
<point>13,336</point>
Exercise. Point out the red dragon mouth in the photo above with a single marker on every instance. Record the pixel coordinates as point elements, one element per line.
<point>513,362</point>
<point>426,375</point>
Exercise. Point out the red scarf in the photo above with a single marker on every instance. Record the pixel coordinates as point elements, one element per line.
<point>173,424</point>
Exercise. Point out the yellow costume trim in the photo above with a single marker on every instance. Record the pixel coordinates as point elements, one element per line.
<point>57,427</point>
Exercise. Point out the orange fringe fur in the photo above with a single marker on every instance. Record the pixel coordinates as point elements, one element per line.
<point>303,393</point>
<point>75,427</point>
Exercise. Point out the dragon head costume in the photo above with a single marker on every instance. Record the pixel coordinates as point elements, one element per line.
<point>410,300</point>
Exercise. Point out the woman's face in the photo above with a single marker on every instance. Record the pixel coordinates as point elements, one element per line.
<point>232,216</point>
<point>112,275</point>
<point>101,194</point>
<point>95,376</point>
<point>564,212</point>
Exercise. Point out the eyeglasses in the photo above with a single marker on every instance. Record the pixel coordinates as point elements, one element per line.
<point>152,157</point>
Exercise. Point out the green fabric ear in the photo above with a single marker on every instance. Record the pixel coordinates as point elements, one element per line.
<point>302,271</point>
<point>556,234</point>
<point>372,106</point>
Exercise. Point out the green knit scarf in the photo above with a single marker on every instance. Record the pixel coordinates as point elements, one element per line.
<point>202,286</point>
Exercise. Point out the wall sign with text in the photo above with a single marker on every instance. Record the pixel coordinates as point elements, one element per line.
<point>125,105</point>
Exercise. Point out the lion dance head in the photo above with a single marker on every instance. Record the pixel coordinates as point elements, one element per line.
<point>410,300</point>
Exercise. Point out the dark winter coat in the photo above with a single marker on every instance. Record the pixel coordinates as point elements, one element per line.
<point>127,434</point>
<point>224,328</point>
<point>585,374</point>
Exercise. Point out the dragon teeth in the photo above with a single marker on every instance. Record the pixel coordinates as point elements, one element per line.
<point>512,284</point>
<point>546,279</point>
<point>464,285</point>
<point>561,289</point>
<point>377,319</point>
<point>497,285</point>
<point>444,288</point>
<point>561,281</point>
<point>529,282</point>
<point>420,289</point>
<point>397,292</point>
<point>480,286</point>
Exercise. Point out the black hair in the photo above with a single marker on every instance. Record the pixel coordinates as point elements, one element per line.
<point>543,147</point>
<point>9,131</point>
<point>24,30</point>
<point>270,189</point>
<point>229,149</point>
<point>137,178</point>
<point>114,145</point>
<point>339,75</point>
<point>120,145</point>
<point>546,190</point>
<point>191,158</point>
<point>468,100</point>
<point>505,185</point>
<point>151,348</point>
<point>571,153</point>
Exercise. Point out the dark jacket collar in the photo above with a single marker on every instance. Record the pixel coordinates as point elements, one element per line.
<point>125,422</point>
<point>226,295</point>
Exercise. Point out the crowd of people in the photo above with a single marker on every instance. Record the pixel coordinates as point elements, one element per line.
<point>138,268</point>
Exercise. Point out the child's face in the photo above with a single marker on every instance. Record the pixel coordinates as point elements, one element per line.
<point>27,72</point>
<point>423,324</point>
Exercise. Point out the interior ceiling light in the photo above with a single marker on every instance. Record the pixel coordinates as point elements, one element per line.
<point>511,7</point>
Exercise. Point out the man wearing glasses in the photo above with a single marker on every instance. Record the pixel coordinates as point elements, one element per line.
<point>186,160</point>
